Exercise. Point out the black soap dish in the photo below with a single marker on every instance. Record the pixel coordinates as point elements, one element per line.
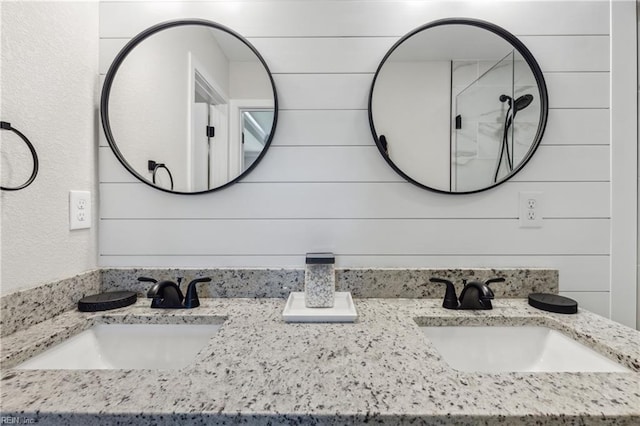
<point>107,301</point>
<point>553,303</point>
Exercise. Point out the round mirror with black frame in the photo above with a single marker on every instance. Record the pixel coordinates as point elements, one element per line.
<point>189,106</point>
<point>458,106</point>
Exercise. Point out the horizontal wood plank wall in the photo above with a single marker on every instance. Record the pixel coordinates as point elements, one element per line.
<point>324,186</point>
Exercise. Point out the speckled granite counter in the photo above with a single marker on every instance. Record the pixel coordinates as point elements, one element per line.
<point>259,370</point>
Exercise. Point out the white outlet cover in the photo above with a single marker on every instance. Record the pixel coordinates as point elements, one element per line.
<point>530,217</point>
<point>79,209</point>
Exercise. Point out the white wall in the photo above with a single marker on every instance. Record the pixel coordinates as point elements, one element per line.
<point>49,92</point>
<point>324,186</point>
<point>248,80</point>
<point>420,147</point>
<point>638,104</point>
<point>624,161</point>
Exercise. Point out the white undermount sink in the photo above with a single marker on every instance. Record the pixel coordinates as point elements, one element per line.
<point>127,346</point>
<point>523,349</point>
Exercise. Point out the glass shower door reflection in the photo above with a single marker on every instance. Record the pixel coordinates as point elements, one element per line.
<point>481,149</point>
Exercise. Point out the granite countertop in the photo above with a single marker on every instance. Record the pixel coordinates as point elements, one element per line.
<point>260,370</point>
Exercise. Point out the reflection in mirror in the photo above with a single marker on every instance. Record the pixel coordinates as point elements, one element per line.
<point>189,106</point>
<point>458,106</point>
<point>256,125</point>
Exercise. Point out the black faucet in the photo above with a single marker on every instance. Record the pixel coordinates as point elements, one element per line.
<point>167,294</point>
<point>474,295</point>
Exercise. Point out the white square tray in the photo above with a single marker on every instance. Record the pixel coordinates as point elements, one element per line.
<point>343,309</point>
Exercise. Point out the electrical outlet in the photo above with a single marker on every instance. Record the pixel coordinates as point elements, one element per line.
<point>79,209</point>
<point>530,209</point>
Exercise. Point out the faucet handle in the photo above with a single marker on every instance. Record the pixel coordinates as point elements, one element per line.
<point>153,291</point>
<point>191,299</point>
<point>440,281</point>
<point>494,280</point>
<point>450,299</point>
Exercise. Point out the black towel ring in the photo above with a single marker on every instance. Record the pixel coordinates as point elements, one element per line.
<point>158,166</point>
<point>7,126</point>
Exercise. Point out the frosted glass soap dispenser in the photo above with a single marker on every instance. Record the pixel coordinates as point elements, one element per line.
<point>319,280</point>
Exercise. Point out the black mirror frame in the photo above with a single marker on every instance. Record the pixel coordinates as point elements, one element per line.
<point>519,46</point>
<point>117,62</point>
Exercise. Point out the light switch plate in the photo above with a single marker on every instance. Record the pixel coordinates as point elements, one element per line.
<point>79,209</point>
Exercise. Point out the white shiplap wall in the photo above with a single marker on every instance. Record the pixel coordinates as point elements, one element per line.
<point>324,186</point>
<point>638,188</point>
